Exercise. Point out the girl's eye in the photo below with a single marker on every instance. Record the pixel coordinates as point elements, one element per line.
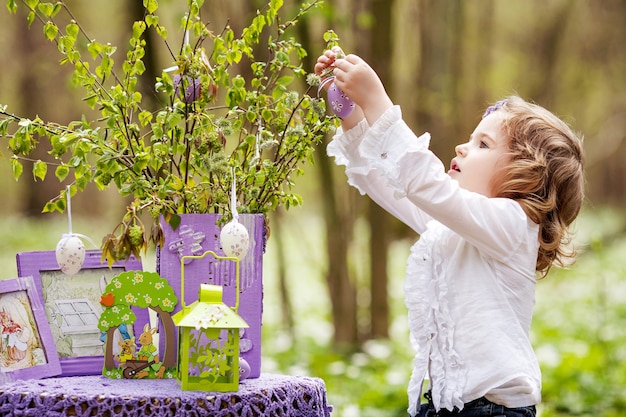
<point>483,145</point>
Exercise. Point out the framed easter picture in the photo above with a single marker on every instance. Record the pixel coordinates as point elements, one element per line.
<point>27,349</point>
<point>72,305</point>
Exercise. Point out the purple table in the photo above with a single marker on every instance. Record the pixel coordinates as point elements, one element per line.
<point>268,395</point>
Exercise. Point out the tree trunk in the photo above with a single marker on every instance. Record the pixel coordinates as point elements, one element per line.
<point>279,244</point>
<point>109,362</point>
<point>378,219</point>
<point>169,357</point>
<point>339,223</point>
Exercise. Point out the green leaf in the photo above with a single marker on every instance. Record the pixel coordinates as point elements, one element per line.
<point>139,28</point>
<point>174,221</point>
<point>12,6</point>
<point>61,172</point>
<point>150,5</point>
<point>46,9</point>
<point>94,49</point>
<point>152,20</point>
<point>40,170</point>
<point>30,18</point>
<point>285,81</point>
<point>72,30</point>
<point>50,31</point>
<point>32,4</point>
<point>162,31</point>
<point>4,126</point>
<point>145,117</point>
<point>17,168</point>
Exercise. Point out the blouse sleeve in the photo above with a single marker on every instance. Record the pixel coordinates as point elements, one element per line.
<point>364,174</point>
<point>398,171</point>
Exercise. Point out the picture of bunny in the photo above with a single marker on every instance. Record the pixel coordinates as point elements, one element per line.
<point>148,353</point>
<point>19,344</point>
<point>127,351</point>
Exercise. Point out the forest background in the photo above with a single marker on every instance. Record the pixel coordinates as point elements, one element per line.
<point>334,267</point>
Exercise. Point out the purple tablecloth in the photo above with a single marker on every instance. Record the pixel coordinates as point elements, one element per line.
<point>268,395</point>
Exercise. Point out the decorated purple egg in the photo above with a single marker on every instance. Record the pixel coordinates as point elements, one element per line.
<point>244,369</point>
<point>192,91</point>
<point>339,102</point>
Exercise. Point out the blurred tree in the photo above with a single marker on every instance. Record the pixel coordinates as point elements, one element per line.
<point>36,89</point>
<point>379,220</point>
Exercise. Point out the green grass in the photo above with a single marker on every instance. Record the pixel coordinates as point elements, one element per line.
<point>579,327</point>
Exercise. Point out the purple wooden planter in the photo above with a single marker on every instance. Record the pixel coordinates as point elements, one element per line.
<point>198,233</point>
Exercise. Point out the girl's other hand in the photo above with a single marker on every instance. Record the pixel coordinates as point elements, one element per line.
<point>361,83</point>
<point>325,63</point>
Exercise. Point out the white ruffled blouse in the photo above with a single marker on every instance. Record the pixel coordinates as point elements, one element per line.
<point>470,279</point>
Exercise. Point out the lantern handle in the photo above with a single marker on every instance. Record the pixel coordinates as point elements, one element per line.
<point>183,260</point>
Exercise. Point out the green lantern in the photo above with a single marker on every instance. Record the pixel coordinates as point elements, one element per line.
<point>208,337</point>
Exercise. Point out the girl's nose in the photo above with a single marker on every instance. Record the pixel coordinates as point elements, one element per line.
<point>460,149</point>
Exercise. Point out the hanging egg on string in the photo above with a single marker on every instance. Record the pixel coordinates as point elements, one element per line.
<point>234,239</point>
<point>234,236</point>
<point>70,251</point>
<point>70,254</point>
<point>338,101</point>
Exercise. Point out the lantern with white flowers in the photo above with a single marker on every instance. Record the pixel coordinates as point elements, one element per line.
<point>208,337</point>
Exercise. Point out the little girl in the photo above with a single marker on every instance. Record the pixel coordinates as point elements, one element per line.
<point>488,227</point>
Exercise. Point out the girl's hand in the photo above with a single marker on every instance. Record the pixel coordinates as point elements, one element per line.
<point>325,63</point>
<point>361,83</point>
<point>325,66</point>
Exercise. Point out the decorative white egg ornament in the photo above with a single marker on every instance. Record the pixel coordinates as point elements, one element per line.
<point>234,236</point>
<point>234,239</point>
<point>70,254</point>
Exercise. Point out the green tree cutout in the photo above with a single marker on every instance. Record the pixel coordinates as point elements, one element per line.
<point>140,289</point>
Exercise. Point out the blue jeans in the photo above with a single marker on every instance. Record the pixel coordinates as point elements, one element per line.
<point>477,408</point>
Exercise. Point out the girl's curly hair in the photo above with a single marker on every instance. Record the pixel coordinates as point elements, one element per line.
<point>545,175</point>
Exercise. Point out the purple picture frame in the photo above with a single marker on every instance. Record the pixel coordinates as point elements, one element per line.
<point>25,334</point>
<point>43,267</point>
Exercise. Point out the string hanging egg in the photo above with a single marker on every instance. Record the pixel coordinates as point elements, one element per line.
<point>234,236</point>
<point>70,254</point>
<point>339,102</point>
<point>70,251</point>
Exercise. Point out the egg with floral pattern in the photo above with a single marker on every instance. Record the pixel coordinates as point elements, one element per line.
<point>234,239</point>
<point>339,102</point>
<point>70,254</point>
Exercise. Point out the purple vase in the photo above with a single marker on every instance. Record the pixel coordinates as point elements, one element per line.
<point>198,233</point>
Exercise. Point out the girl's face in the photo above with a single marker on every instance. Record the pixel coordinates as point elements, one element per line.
<point>477,161</point>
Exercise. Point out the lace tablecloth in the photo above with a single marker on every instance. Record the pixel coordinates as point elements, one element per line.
<point>268,395</point>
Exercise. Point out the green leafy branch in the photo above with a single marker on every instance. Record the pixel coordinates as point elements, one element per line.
<point>178,158</point>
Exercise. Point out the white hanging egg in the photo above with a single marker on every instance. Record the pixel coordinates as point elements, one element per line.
<point>234,239</point>
<point>70,254</point>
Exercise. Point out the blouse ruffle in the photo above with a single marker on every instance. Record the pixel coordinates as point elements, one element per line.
<point>431,325</point>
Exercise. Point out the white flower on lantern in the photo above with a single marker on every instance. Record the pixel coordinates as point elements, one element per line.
<point>210,317</point>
